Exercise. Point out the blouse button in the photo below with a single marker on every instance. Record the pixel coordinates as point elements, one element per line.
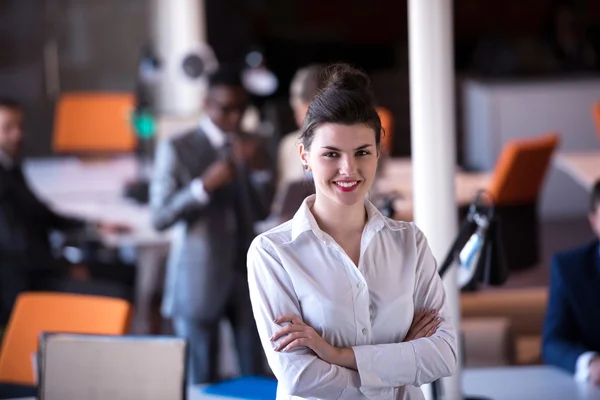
<point>360,285</point>
<point>365,331</point>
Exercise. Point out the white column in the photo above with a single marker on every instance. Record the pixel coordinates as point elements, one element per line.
<point>433,140</point>
<point>178,27</point>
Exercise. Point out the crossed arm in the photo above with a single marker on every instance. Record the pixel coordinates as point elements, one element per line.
<point>306,366</point>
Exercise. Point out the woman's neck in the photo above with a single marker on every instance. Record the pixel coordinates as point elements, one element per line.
<point>336,220</point>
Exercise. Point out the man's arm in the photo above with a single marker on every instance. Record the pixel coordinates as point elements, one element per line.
<point>257,166</point>
<point>169,201</point>
<point>560,345</point>
<point>48,215</point>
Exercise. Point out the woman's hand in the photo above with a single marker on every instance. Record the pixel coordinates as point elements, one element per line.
<point>297,333</point>
<point>424,324</point>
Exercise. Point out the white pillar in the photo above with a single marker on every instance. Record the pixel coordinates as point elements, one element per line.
<point>433,140</point>
<point>178,27</point>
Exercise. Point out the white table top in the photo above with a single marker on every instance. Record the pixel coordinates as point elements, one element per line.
<point>526,383</point>
<point>194,393</point>
<point>94,190</point>
<point>583,167</point>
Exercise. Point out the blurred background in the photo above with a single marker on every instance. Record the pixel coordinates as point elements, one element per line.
<point>522,69</point>
<point>99,44</point>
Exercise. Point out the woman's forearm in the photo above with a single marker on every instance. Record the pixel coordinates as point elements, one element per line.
<point>344,357</point>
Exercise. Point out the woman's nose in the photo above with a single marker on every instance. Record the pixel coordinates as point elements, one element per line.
<point>347,166</point>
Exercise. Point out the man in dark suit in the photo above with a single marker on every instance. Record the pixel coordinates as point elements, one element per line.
<point>571,337</point>
<point>27,261</point>
<point>211,185</point>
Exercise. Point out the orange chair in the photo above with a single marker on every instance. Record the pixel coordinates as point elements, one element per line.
<point>521,168</point>
<point>39,312</point>
<point>596,116</point>
<point>387,123</point>
<point>515,186</point>
<point>94,123</point>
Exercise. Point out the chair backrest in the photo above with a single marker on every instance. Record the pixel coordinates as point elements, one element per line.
<point>521,168</point>
<point>95,367</point>
<point>596,116</point>
<point>89,122</point>
<point>387,123</point>
<point>35,313</point>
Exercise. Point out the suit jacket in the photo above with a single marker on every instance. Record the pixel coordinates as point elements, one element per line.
<point>208,239</point>
<point>572,324</point>
<point>26,222</point>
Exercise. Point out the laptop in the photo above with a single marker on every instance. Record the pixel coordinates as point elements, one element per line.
<point>100,367</point>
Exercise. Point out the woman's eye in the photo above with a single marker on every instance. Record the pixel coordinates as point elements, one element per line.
<point>362,153</point>
<point>330,154</point>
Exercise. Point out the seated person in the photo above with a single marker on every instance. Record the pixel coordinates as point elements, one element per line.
<point>27,261</point>
<point>571,337</point>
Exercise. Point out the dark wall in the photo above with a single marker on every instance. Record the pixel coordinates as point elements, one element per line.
<point>21,64</point>
<point>98,44</point>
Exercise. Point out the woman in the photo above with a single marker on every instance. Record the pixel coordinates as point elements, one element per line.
<point>344,298</point>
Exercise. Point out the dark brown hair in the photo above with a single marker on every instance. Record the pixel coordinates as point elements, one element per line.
<point>11,104</point>
<point>226,75</point>
<point>345,98</point>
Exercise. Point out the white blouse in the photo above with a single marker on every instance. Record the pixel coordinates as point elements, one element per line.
<point>297,268</point>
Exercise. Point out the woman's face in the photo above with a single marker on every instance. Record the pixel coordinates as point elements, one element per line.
<point>343,162</point>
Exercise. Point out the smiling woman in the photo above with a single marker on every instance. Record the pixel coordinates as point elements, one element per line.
<point>348,303</point>
<point>343,162</point>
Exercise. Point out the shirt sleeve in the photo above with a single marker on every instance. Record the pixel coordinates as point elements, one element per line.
<point>171,202</point>
<point>197,187</point>
<point>299,372</point>
<point>418,361</point>
<point>561,338</point>
<point>582,367</point>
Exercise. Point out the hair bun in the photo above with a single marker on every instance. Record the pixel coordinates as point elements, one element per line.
<point>345,98</point>
<point>345,77</point>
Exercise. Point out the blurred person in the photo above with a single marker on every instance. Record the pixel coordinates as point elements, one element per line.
<point>293,182</point>
<point>27,261</point>
<point>348,303</point>
<point>304,86</point>
<point>211,185</point>
<point>571,336</point>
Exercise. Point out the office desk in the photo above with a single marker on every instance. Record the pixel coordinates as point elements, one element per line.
<point>396,176</point>
<point>93,190</point>
<point>583,167</point>
<point>525,383</point>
